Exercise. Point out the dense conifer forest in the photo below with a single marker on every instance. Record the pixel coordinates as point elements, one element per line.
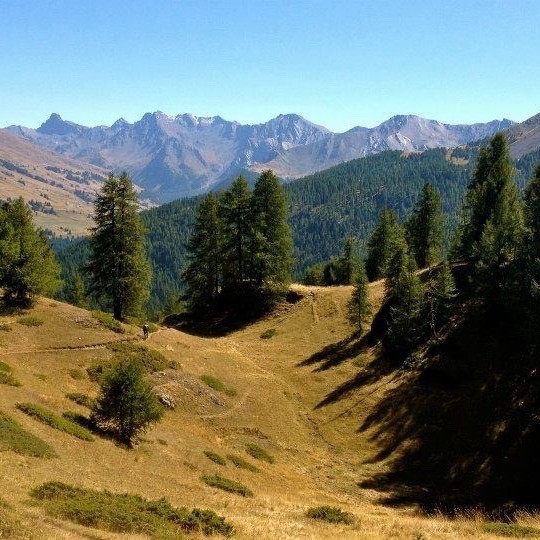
<point>324,209</point>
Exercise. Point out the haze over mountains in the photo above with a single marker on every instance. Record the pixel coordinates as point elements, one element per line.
<point>172,157</point>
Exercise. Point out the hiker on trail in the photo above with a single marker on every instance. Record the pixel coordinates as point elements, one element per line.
<point>145,330</point>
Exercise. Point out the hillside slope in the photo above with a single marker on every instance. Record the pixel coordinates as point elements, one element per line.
<point>59,189</point>
<point>301,395</point>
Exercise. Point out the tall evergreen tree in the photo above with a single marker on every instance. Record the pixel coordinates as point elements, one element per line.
<point>75,291</point>
<point>28,266</point>
<point>498,246</point>
<point>359,307</point>
<point>440,293</point>
<point>406,305</point>
<point>118,265</point>
<point>425,228</point>
<point>493,220</point>
<point>272,240</point>
<point>202,276</point>
<point>349,263</point>
<point>237,233</point>
<point>387,237</point>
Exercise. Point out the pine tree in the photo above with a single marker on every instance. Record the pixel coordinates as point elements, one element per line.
<point>118,265</point>
<point>75,291</point>
<point>126,402</point>
<point>349,264</point>
<point>28,266</point>
<point>202,276</point>
<point>494,253</point>
<point>406,305</point>
<point>387,237</point>
<point>425,228</point>
<point>528,294</point>
<point>237,233</point>
<point>272,242</point>
<point>440,294</point>
<point>493,221</point>
<point>359,307</point>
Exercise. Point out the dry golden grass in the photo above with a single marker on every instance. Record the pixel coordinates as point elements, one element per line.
<point>319,455</point>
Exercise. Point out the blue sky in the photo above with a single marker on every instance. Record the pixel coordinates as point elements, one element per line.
<point>338,63</point>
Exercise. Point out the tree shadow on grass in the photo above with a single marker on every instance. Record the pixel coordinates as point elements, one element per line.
<point>336,353</point>
<point>464,430</point>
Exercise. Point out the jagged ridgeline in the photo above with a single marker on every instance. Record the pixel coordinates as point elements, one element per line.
<point>325,208</point>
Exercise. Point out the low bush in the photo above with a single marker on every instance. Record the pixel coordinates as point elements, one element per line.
<point>13,437</point>
<point>82,399</point>
<point>4,327</point>
<point>227,485</point>
<point>332,514</point>
<point>30,320</point>
<point>259,453</point>
<point>6,377</point>
<point>76,374</point>
<point>216,458</point>
<point>124,513</point>
<point>108,321</point>
<point>57,422</point>
<point>217,385</point>
<point>241,463</point>
<point>270,333</point>
<point>510,530</point>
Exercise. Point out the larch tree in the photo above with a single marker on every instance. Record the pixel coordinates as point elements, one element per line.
<point>424,229</point>
<point>359,308</point>
<point>28,266</point>
<point>118,265</point>
<point>203,273</point>
<point>406,299</point>
<point>498,246</point>
<point>237,236</point>
<point>387,237</point>
<point>271,236</point>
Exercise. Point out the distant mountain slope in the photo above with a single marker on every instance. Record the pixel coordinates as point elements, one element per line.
<point>59,189</point>
<point>172,157</point>
<point>524,138</point>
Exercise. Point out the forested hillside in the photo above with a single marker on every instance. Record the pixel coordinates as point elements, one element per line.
<point>325,208</point>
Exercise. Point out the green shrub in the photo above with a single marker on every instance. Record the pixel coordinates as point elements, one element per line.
<point>259,453</point>
<point>126,513</point>
<point>332,514</point>
<point>80,419</point>
<point>57,422</point>
<point>241,463</point>
<point>30,320</point>
<point>14,437</point>
<point>216,458</point>
<point>217,385</point>
<point>6,377</point>
<point>5,367</point>
<point>227,485</point>
<point>76,374</point>
<point>270,333</point>
<point>81,399</point>
<point>108,321</point>
<point>511,530</point>
<point>4,327</point>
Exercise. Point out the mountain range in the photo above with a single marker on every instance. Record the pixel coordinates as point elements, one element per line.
<point>172,157</point>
